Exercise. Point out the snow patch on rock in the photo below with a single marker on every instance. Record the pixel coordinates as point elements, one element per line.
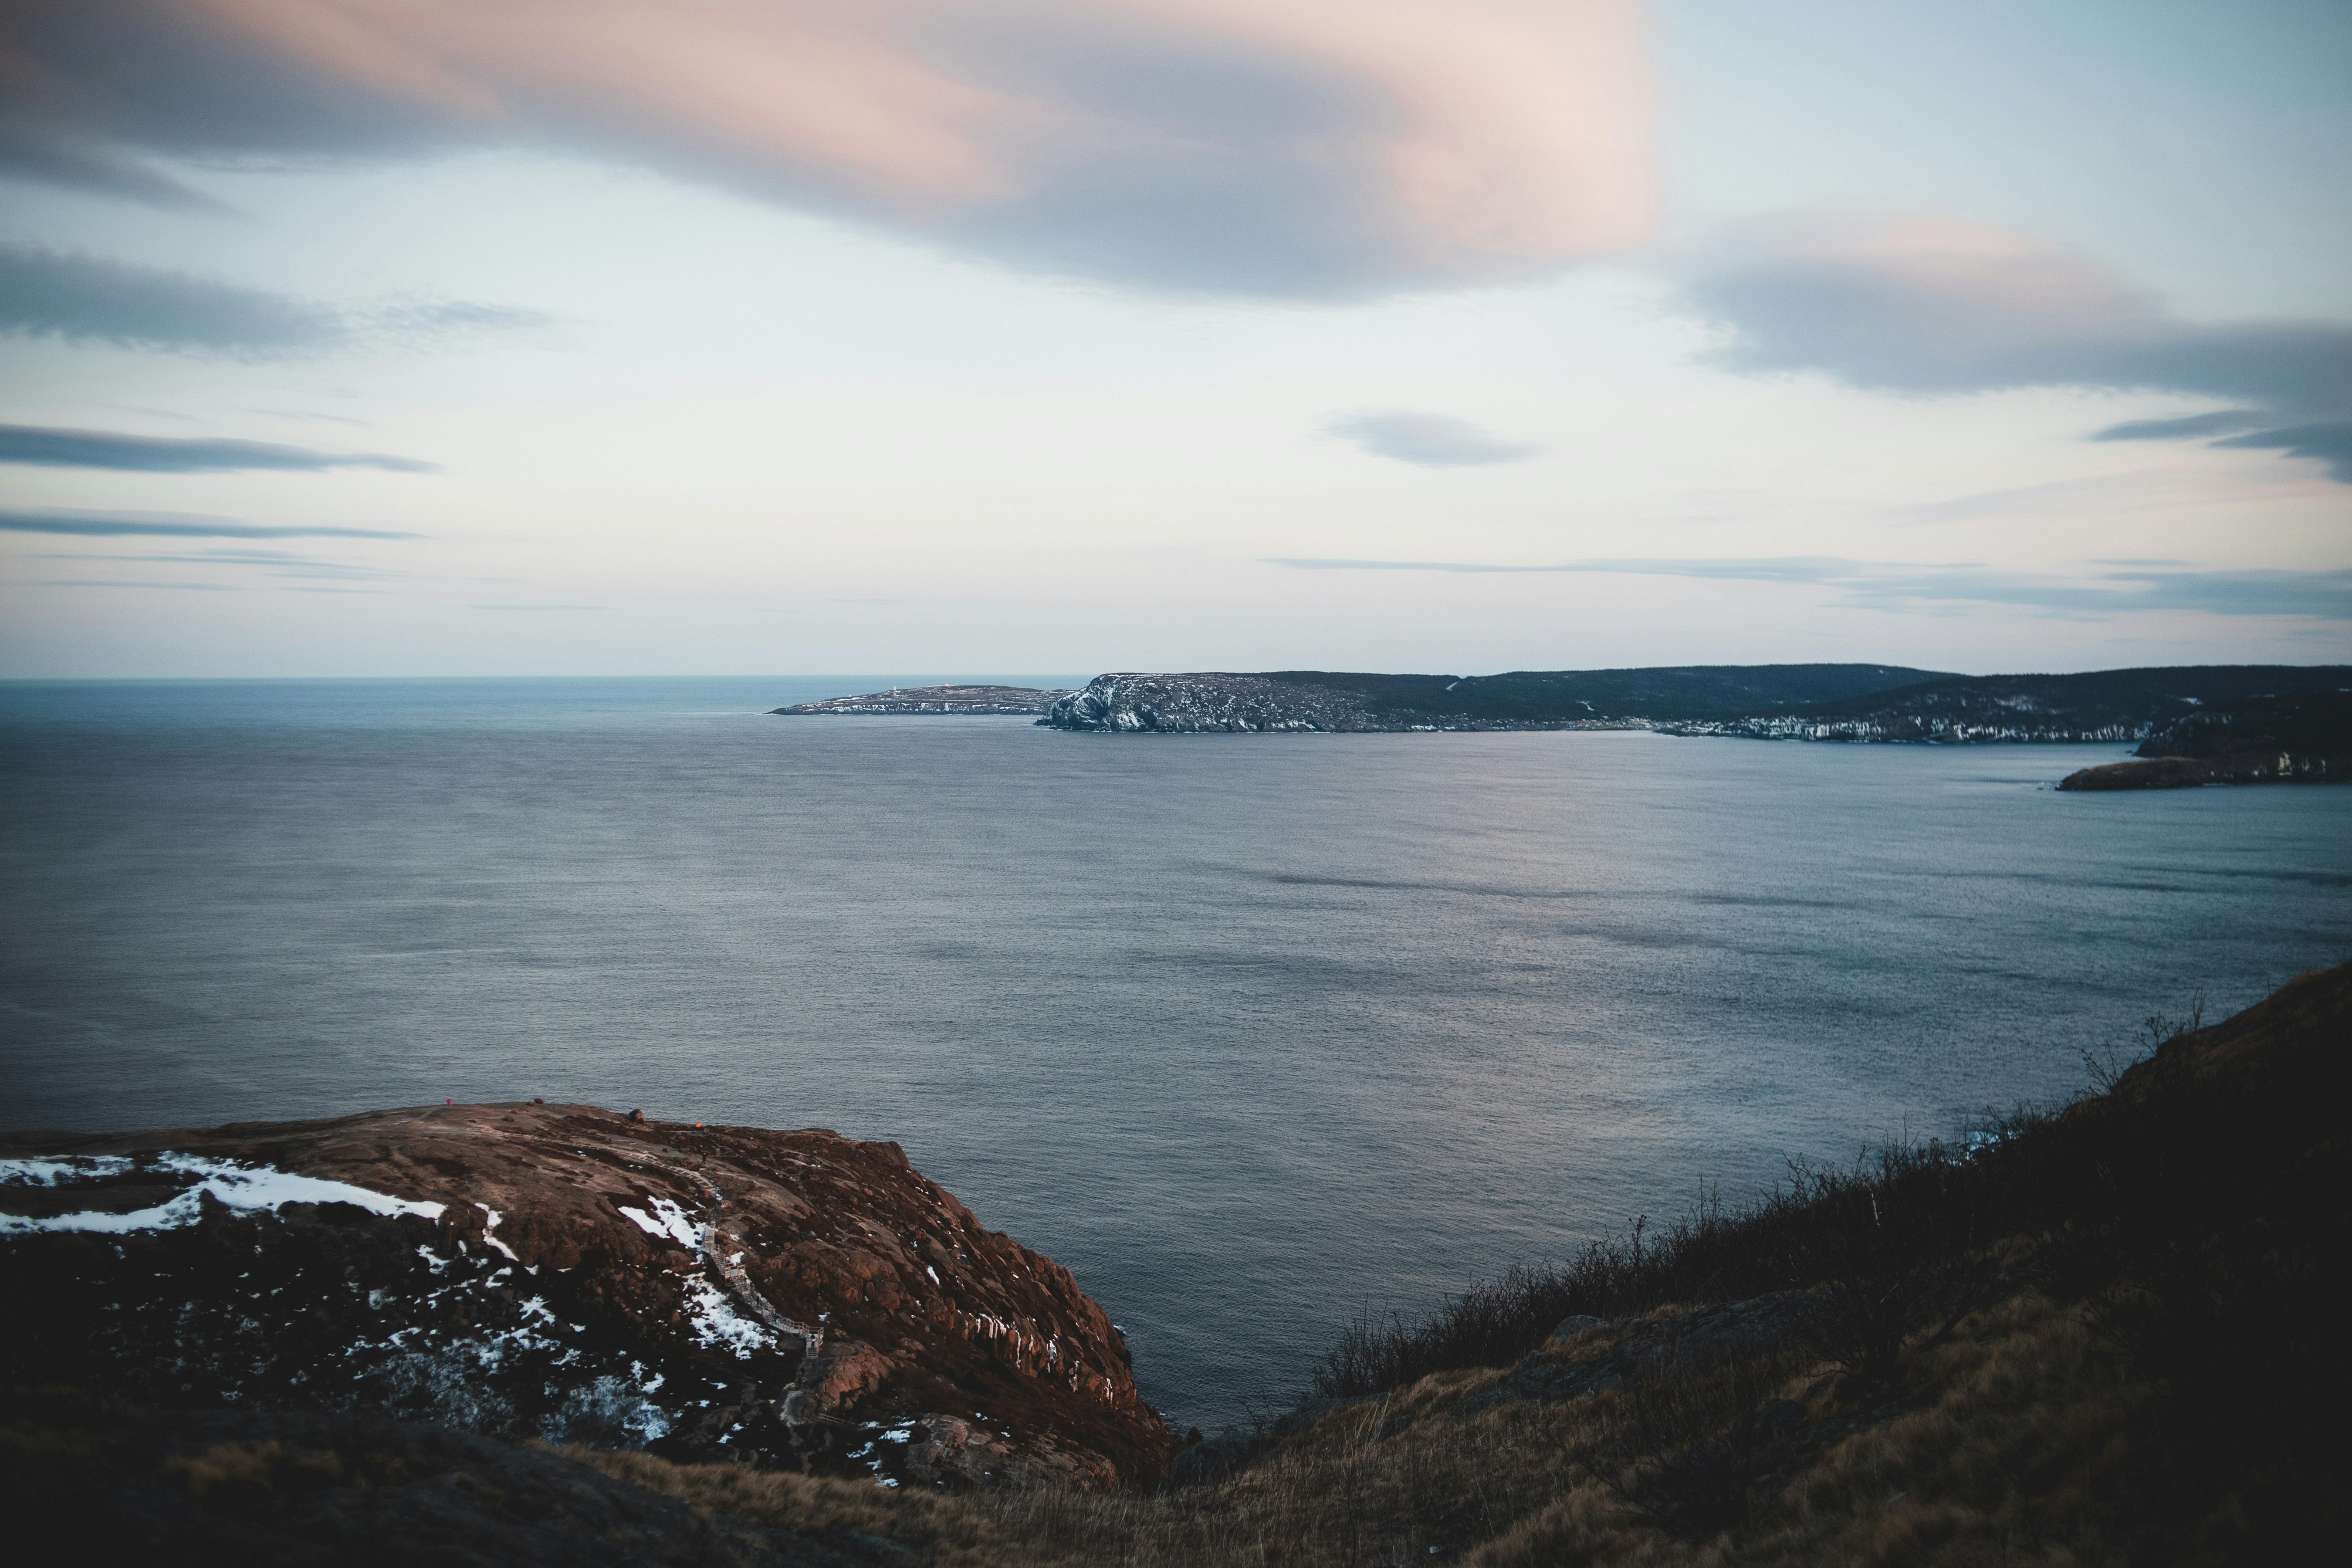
<point>666,1219</point>
<point>238,1186</point>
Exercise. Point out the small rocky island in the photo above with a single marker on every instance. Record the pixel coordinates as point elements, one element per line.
<point>931,699</point>
<point>569,1275</point>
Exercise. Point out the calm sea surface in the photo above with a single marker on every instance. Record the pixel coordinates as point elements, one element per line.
<point>1252,1032</point>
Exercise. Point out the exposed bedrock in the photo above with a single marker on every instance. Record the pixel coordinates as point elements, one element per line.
<point>571,1273</point>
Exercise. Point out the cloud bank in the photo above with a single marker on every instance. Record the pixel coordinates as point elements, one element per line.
<point>2321,595</point>
<point>1923,307</point>
<point>1431,440</point>
<point>79,522</point>
<point>90,298</point>
<point>50,448</point>
<point>1257,147</point>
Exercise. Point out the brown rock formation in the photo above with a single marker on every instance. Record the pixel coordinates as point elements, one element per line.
<point>798,1295</point>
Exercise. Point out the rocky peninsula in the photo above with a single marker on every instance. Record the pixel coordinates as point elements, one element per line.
<point>574,1274</point>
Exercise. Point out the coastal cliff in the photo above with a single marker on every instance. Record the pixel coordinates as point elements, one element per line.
<point>575,1275</point>
<point>1236,703</point>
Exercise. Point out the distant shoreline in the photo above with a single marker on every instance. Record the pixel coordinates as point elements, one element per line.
<point>2217,723</point>
<point>930,701</point>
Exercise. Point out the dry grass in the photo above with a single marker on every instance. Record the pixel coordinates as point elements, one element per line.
<point>255,1466</point>
<point>2006,1449</point>
<point>2106,1338</point>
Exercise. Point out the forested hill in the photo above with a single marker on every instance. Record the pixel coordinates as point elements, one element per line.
<point>2098,705</point>
<point>1763,702</point>
<point>1662,693</point>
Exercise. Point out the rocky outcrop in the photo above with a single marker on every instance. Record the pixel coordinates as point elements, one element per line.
<point>1208,702</point>
<point>570,1273</point>
<point>1290,701</point>
<point>932,699</point>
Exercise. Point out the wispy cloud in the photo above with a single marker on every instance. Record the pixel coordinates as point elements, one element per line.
<point>2220,422</point>
<point>2331,444</point>
<point>276,562</point>
<point>47,447</point>
<point>1281,147</point>
<point>310,416</point>
<point>1918,307</point>
<point>85,524</point>
<point>133,582</point>
<point>1430,440</point>
<point>81,298</point>
<point>2324,596</point>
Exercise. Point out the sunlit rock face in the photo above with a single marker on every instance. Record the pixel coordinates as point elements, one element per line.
<point>565,1272</point>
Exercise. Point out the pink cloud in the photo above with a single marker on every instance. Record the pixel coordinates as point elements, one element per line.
<point>1282,146</point>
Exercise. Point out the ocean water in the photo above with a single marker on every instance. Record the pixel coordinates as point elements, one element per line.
<point>1255,1033</point>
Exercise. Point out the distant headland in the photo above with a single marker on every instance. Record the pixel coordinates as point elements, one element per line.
<point>958,699</point>
<point>2193,724</point>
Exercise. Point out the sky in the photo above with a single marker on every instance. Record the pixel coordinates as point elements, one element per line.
<point>588,337</point>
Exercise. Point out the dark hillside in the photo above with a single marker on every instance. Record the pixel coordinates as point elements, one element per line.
<point>2098,705</point>
<point>2305,723</point>
<point>1684,691</point>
